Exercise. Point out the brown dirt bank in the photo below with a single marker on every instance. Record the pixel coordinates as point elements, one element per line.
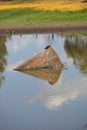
<point>6,29</point>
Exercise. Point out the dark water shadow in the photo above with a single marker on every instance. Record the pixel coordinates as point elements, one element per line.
<point>84,127</point>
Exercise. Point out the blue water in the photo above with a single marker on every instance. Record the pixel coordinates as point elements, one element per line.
<point>30,103</point>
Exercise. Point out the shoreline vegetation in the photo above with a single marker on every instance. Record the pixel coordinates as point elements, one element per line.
<point>47,15</point>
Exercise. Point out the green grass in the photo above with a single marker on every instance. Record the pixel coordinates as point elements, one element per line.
<point>35,16</point>
<point>72,34</point>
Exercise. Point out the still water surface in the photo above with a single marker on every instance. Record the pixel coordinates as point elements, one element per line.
<point>30,103</point>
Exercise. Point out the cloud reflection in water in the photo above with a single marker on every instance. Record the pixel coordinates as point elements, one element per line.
<point>55,96</point>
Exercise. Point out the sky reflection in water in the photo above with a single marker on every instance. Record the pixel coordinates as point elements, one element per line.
<point>21,92</point>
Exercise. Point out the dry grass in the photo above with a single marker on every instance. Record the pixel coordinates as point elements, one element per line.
<point>63,5</point>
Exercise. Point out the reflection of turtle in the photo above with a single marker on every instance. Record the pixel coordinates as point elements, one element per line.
<point>76,48</point>
<point>45,65</point>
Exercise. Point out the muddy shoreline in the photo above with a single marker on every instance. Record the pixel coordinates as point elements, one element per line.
<point>8,29</point>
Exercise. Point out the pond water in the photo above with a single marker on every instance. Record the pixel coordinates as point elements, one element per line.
<point>31,103</point>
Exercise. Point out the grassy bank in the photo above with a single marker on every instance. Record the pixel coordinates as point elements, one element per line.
<point>28,15</point>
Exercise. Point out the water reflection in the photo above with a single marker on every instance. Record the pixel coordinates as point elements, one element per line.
<point>23,98</point>
<point>66,89</point>
<point>49,39</point>
<point>76,48</point>
<point>54,97</point>
<point>3,60</point>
